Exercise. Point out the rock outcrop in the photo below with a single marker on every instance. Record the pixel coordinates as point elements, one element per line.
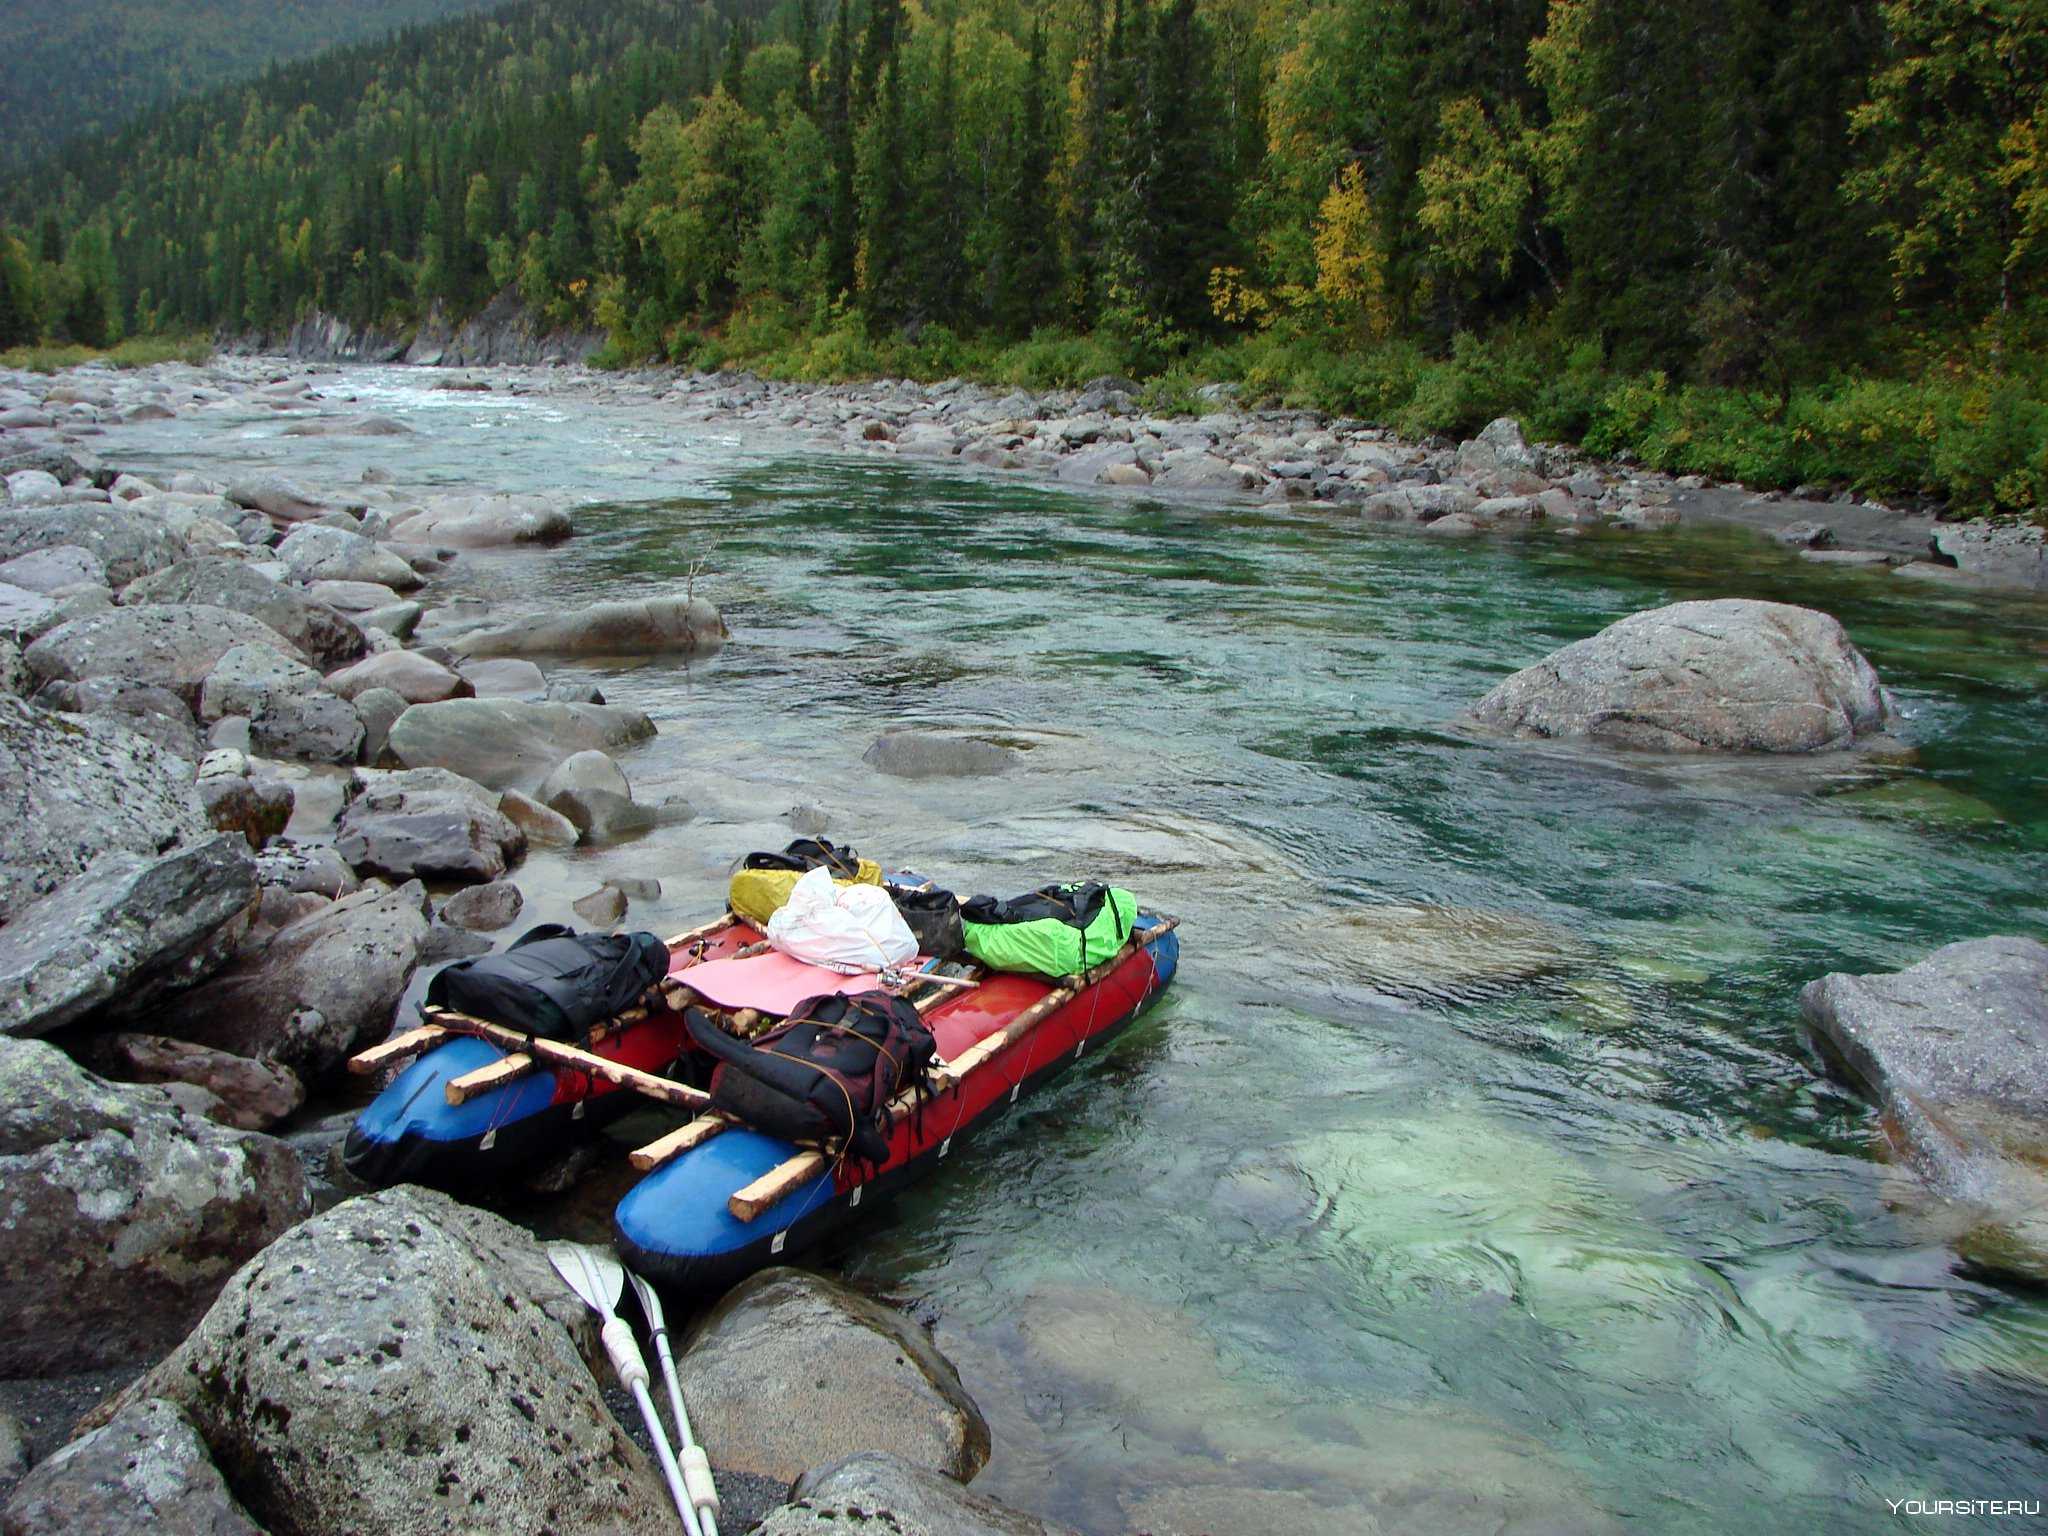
<point>1954,1050</point>
<point>404,1365</point>
<point>854,1376</point>
<point>123,1213</point>
<point>1726,676</point>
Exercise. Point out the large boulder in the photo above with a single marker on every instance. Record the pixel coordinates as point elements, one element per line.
<point>248,1095</point>
<point>277,498</point>
<point>480,522</point>
<point>852,1375</point>
<point>111,881</point>
<point>169,647</point>
<point>290,712</point>
<point>1731,675</point>
<point>323,635</point>
<point>648,626</point>
<point>144,1473</point>
<point>403,1365</point>
<point>916,754</point>
<point>429,823</point>
<point>314,990</point>
<point>315,553</point>
<point>876,1494</point>
<point>415,678</point>
<point>1499,447</point>
<point>55,568</point>
<point>509,743</point>
<point>591,790</point>
<point>127,544</point>
<point>149,711</point>
<point>124,1214</point>
<point>1954,1050</point>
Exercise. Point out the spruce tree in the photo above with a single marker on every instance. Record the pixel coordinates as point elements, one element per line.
<point>1029,271</point>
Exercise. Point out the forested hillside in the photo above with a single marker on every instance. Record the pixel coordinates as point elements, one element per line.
<point>1774,238</point>
<point>74,68</point>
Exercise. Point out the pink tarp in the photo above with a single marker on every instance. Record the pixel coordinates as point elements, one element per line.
<point>772,982</point>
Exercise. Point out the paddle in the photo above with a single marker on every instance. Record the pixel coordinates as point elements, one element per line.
<point>599,1279</point>
<point>695,1464</point>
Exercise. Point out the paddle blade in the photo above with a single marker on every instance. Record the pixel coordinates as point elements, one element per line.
<point>590,1272</point>
<point>650,1303</point>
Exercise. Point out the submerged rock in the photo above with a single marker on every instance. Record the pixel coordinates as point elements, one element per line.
<point>1455,954</point>
<point>509,743</point>
<point>428,823</point>
<point>484,908</point>
<point>1726,676</point>
<point>853,1375</point>
<point>480,522</point>
<point>916,754</point>
<point>402,1365</point>
<point>650,626</point>
<point>1954,1050</point>
<point>144,1473</point>
<point>124,1214</point>
<point>883,1495</point>
<point>590,790</point>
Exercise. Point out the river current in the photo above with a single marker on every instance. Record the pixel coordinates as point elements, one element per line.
<point>1476,1174</point>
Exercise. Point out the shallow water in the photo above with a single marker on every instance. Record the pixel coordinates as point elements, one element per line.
<point>1476,1174</point>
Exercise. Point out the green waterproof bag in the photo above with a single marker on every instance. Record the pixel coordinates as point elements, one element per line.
<point>1057,930</point>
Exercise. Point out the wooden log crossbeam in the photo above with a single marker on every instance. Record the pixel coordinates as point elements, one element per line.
<point>397,1048</point>
<point>555,1054</point>
<point>751,1200</point>
<point>692,1133</point>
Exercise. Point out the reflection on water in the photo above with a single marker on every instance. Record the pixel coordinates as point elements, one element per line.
<point>1474,1176</point>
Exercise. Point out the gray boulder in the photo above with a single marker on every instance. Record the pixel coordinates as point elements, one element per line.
<point>591,791</point>
<point>1806,535</point>
<point>149,711</point>
<point>916,754</point>
<point>170,647</point>
<point>853,1375</point>
<point>127,544</point>
<point>484,908</point>
<point>25,614</point>
<point>512,677</point>
<point>314,553</point>
<point>876,1494</point>
<point>110,879</point>
<point>482,522</point>
<point>144,1473</point>
<point>314,991</point>
<point>509,743</point>
<point>14,674</point>
<point>1726,676</point>
<point>124,1214</point>
<point>650,626</point>
<point>378,709</point>
<point>322,634</point>
<point>306,868</point>
<point>403,1365</point>
<point>249,1095</point>
<point>282,500</point>
<point>55,568</point>
<point>1499,447</point>
<point>543,828</point>
<point>1954,1051</point>
<point>290,712</point>
<point>415,678</point>
<point>236,800</point>
<point>427,823</point>
<point>356,597</point>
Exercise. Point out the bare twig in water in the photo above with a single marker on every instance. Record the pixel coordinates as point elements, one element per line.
<point>690,583</point>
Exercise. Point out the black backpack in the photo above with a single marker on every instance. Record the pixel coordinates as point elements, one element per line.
<point>827,1074</point>
<point>554,982</point>
<point>933,917</point>
<point>807,853</point>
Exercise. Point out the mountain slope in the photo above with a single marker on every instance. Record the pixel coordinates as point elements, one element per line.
<point>69,68</point>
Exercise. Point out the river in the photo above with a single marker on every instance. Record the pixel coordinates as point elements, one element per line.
<point>1476,1174</point>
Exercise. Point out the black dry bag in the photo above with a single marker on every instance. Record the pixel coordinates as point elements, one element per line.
<point>933,917</point>
<point>554,982</point>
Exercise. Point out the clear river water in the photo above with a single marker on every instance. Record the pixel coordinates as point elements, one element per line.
<point>1476,1174</point>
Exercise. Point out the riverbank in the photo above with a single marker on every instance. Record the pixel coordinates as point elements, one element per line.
<point>1237,698</point>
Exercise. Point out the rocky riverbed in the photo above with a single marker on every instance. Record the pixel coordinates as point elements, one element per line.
<point>266,761</point>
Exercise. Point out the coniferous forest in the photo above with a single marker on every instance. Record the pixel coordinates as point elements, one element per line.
<point>1778,240</point>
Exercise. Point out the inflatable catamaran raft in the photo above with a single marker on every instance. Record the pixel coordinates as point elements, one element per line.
<point>813,1090</point>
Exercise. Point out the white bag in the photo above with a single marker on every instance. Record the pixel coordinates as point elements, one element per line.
<point>851,929</point>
